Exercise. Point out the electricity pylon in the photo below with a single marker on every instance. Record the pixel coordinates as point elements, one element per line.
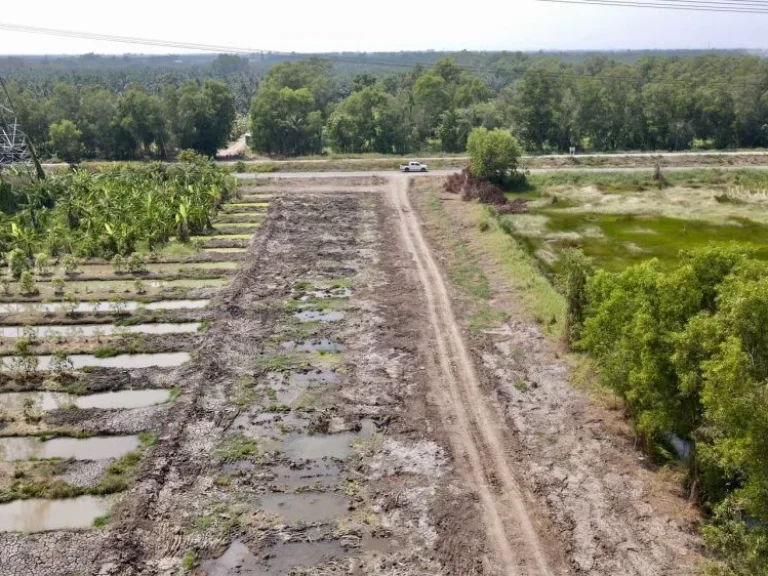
<point>16,150</point>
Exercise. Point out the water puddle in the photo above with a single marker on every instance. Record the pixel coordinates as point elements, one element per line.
<point>277,560</point>
<point>271,425</point>
<point>306,507</point>
<point>305,379</point>
<point>301,447</point>
<point>378,546</point>
<point>323,294</point>
<point>128,361</point>
<point>319,315</point>
<point>99,306</point>
<point>288,389</point>
<point>75,330</point>
<point>97,448</point>
<point>47,401</point>
<point>45,515</point>
<point>323,472</point>
<point>319,345</point>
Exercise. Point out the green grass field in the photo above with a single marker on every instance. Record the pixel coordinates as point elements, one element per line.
<point>621,219</point>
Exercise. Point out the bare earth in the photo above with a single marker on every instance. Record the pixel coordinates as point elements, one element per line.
<point>406,449</point>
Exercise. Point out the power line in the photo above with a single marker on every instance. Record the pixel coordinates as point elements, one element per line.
<point>693,6</point>
<point>132,40</point>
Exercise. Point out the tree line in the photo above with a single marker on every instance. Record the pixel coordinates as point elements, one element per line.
<point>314,106</point>
<point>602,105</point>
<point>93,122</point>
<point>687,351</point>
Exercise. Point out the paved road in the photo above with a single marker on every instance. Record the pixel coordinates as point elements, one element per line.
<point>527,157</point>
<point>388,173</point>
<point>49,166</point>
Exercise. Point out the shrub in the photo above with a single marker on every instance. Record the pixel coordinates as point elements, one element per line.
<point>71,264</point>
<point>61,362</point>
<point>27,284</point>
<point>71,302</point>
<point>240,167</point>
<point>576,271</point>
<point>136,263</point>
<point>471,188</point>
<point>17,263</point>
<point>494,154</point>
<point>118,263</point>
<point>42,263</point>
<point>59,285</point>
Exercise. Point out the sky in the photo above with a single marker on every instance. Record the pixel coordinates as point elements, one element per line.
<point>355,25</point>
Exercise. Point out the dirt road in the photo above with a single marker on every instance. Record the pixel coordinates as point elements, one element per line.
<point>473,428</point>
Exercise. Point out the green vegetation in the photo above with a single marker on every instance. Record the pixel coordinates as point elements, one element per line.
<point>106,352</point>
<point>81,120</point>
<point>623,219</point>
<point>494,154</point>
<point>189,561</point>
<point>237,447</point>
<point>686,350</point>
<point>38,479</point>
<point>604,102</point>
<point>101,521</point>
<point>116,211</point>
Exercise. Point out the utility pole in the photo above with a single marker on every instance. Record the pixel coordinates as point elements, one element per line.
<point>16,149</point>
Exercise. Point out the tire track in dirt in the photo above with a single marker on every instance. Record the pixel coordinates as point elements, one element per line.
<point>476,431</point>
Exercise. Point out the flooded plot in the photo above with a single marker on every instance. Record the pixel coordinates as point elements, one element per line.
<point>300,447</point>
<point>128,361</point>
<point>277,560</point>
<point>160,268</point>
<point>306,507</point>
<point>84,287</point>
<point>319,345</point>
<point>98,448</point>
<point>47,401</point>
<point>98,329</point>
<point>100,306</point>
<point>319,315</point>
<point>226,250</point>
<point>44,515</point>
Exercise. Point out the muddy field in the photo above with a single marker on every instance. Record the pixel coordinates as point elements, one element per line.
<point>329,414</point>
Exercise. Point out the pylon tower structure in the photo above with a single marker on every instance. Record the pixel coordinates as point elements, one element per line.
<point>16,150</point>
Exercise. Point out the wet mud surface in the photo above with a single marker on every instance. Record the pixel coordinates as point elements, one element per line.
<point>302,444</point>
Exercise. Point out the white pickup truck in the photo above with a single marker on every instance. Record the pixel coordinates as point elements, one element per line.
<point>413,167</point>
